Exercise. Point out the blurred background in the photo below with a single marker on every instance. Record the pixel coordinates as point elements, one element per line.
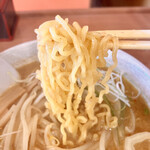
<point>19,18</point>
<point>31,5</point>
<point>11,9</point>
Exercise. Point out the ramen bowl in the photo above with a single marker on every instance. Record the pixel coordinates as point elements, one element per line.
<point>134,71</point>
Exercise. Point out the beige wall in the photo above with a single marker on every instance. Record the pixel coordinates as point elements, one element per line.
<point>147,2</point>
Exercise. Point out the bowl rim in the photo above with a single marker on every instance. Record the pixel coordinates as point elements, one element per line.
<point>11,49</point>
<point>127,61</point>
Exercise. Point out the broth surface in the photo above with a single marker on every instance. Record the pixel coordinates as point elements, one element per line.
<point>138,105</point>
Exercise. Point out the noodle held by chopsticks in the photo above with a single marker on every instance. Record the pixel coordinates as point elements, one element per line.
<point>69,57</point>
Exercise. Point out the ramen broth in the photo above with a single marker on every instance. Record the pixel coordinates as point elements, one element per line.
<point>138,105</point>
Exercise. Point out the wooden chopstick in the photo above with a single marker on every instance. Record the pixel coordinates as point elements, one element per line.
<point>137,45</point>
<point>128,34</point>
<point>130,39</point>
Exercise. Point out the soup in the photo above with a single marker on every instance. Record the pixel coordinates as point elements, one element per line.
<point>138,106</point>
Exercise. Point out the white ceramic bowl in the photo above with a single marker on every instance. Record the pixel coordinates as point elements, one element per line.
<point>135,71</point>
